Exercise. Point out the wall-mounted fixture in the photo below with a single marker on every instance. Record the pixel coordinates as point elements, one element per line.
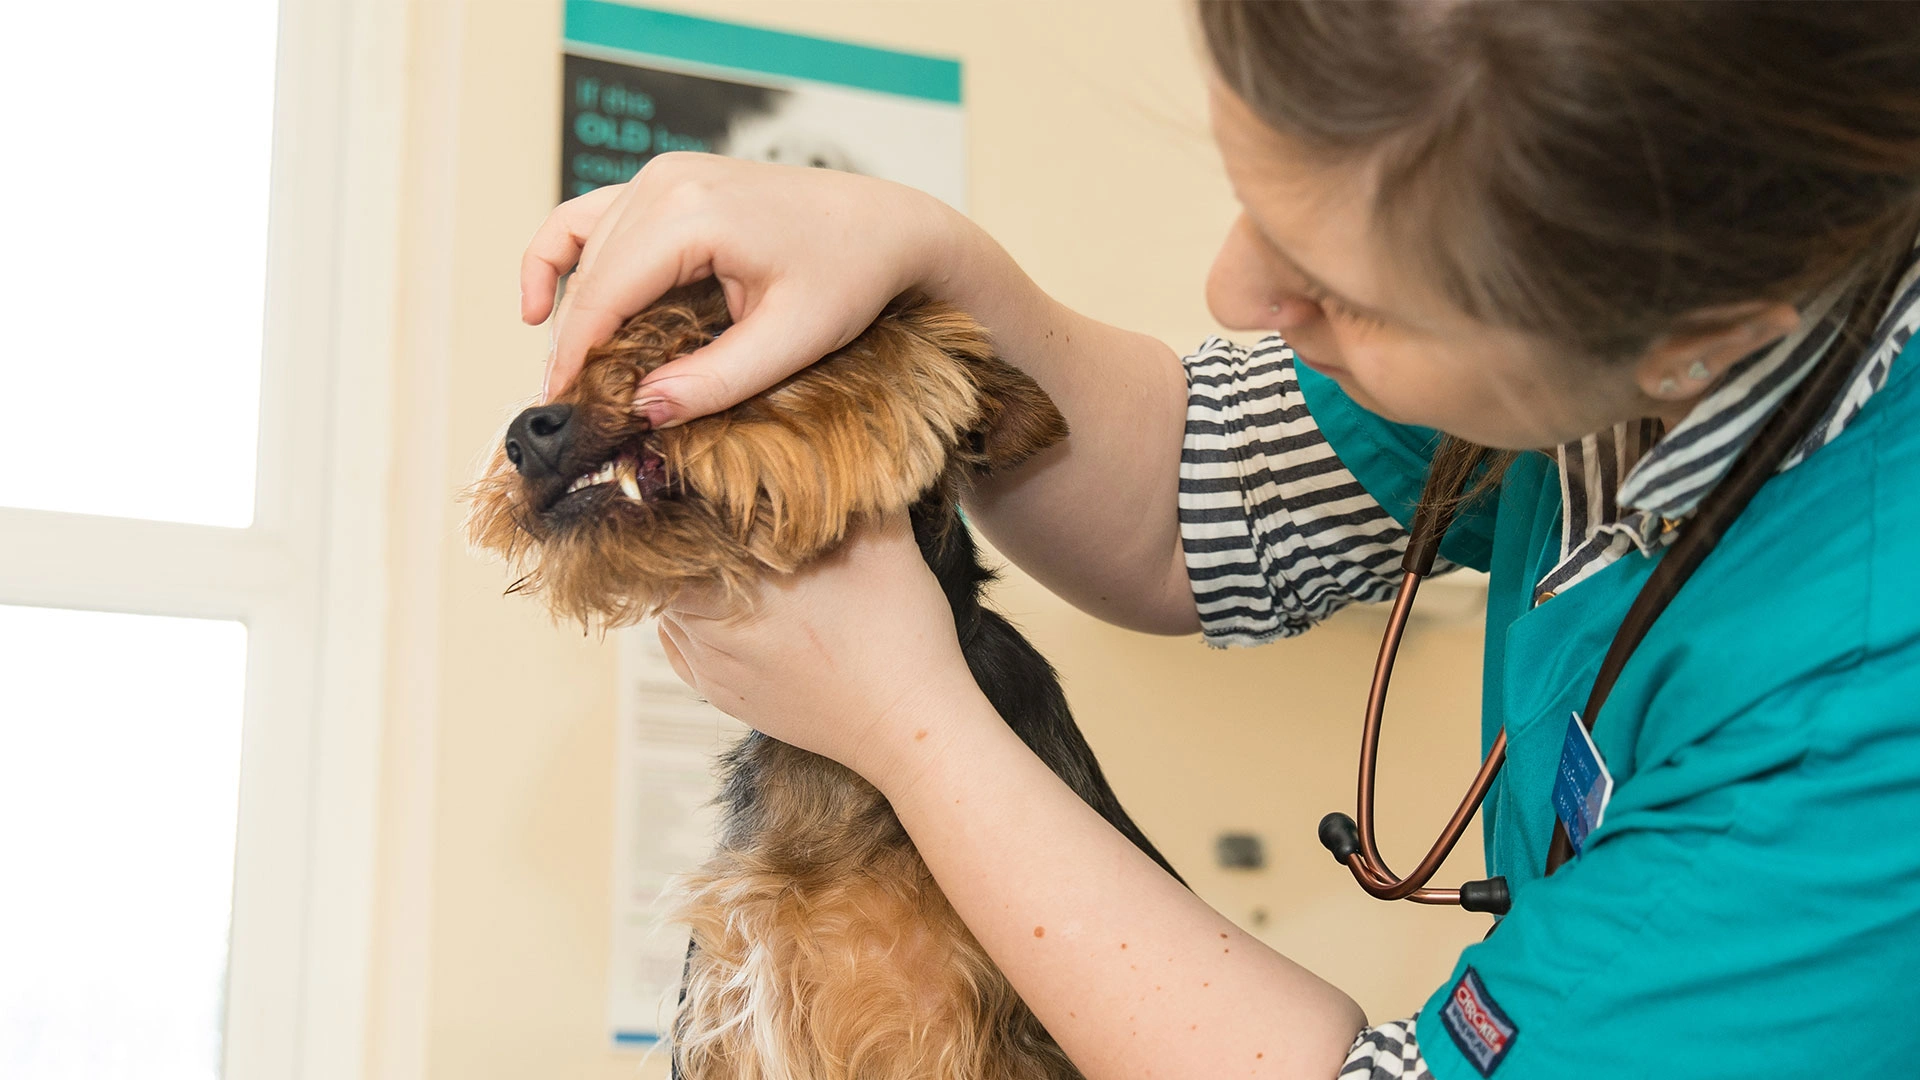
<point>1240,851</point>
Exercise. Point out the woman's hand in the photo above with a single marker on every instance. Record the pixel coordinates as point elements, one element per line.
<point>846,658</point>
<point>807,258</point>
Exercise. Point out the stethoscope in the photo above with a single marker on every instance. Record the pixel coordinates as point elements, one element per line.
<point>1352,842</point>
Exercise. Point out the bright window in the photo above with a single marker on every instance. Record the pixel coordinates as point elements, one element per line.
<point>119,779</point>
<point>192,352</point>
<point>134,203</point>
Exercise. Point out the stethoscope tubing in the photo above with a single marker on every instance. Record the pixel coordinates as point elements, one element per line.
<point>1368,865</point>
<point>1352,840</point>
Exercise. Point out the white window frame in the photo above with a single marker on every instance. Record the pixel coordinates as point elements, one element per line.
<point>308,577</point>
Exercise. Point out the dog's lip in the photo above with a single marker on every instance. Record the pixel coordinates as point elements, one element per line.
<point>631,473</point>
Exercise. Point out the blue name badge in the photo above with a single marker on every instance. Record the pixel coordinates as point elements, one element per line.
<point>1583,786</point>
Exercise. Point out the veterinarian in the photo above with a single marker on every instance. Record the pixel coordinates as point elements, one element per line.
<point>1606,241</point>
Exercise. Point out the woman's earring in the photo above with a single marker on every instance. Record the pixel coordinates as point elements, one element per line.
<point>1698,372</point>
<point>1273,309</point>
<point>1669,385</point>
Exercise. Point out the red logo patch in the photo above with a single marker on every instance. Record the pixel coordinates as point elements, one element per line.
<point>1479,1028</point>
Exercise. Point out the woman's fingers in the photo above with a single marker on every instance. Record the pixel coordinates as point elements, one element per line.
<point>556,376</point>
<point>625,279</point>
<point>556,247</point>
<point>670,644</point>
<point>705,602</point>
<point>778,238</point>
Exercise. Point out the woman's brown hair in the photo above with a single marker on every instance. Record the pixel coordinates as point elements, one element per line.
<point>1601,174</point>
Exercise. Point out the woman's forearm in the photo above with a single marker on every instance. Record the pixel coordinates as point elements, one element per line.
<point>1133,974</point>
<point>1096,519</point>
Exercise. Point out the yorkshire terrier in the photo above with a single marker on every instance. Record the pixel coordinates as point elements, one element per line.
<point>822,948</point>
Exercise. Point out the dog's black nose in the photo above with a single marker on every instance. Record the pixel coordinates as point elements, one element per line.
<point>536,439</point>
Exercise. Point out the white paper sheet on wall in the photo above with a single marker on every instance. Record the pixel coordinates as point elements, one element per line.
<point>638,82</point>
<point>668,740</point>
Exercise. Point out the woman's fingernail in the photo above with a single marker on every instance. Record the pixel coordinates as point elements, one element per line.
<point>657,411</point>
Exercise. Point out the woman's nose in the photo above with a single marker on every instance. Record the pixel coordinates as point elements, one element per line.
<point>1247,291</point>
<point>1291,312</point>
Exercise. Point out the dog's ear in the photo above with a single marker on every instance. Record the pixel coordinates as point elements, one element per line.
<point>1017,418</point>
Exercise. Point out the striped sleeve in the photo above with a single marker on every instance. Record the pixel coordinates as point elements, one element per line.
<point>1278,535</point>
<point>1388,1052</point>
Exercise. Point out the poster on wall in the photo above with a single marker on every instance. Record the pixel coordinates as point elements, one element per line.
<point>640,82</point>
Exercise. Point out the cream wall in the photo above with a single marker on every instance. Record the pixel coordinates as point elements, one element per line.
<point>1090,162</point>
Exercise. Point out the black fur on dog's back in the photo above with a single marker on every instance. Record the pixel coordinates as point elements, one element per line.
<point>1019,682</point>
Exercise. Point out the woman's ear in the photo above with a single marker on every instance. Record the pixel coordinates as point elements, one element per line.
<point>1681,365</point>
<point>1017,418</point>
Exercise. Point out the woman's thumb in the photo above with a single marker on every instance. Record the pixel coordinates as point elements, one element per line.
<point>750,356</point>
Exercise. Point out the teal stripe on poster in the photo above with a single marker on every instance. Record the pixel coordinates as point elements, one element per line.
<point>749,48</point>
<point>635,1038</point>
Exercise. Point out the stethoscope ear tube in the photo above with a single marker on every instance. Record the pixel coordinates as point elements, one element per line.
<point>1352,841</point>
<point>1339,835</point>
<point>1489,896</point>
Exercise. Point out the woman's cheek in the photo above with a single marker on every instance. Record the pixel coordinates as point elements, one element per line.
<point>1307,338</point>
<point>1401,382</point>
<point>1360,372</point>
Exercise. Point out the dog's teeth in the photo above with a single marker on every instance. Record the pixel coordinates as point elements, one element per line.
<point>628,472</point>
<point>607,472</point>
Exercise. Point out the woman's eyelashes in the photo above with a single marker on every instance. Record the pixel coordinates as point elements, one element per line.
<point>1338,310</point>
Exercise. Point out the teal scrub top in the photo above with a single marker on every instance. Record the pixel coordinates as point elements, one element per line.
<point>1751,904</point>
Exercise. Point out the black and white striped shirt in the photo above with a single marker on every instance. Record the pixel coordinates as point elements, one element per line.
<point>1278,534</point>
